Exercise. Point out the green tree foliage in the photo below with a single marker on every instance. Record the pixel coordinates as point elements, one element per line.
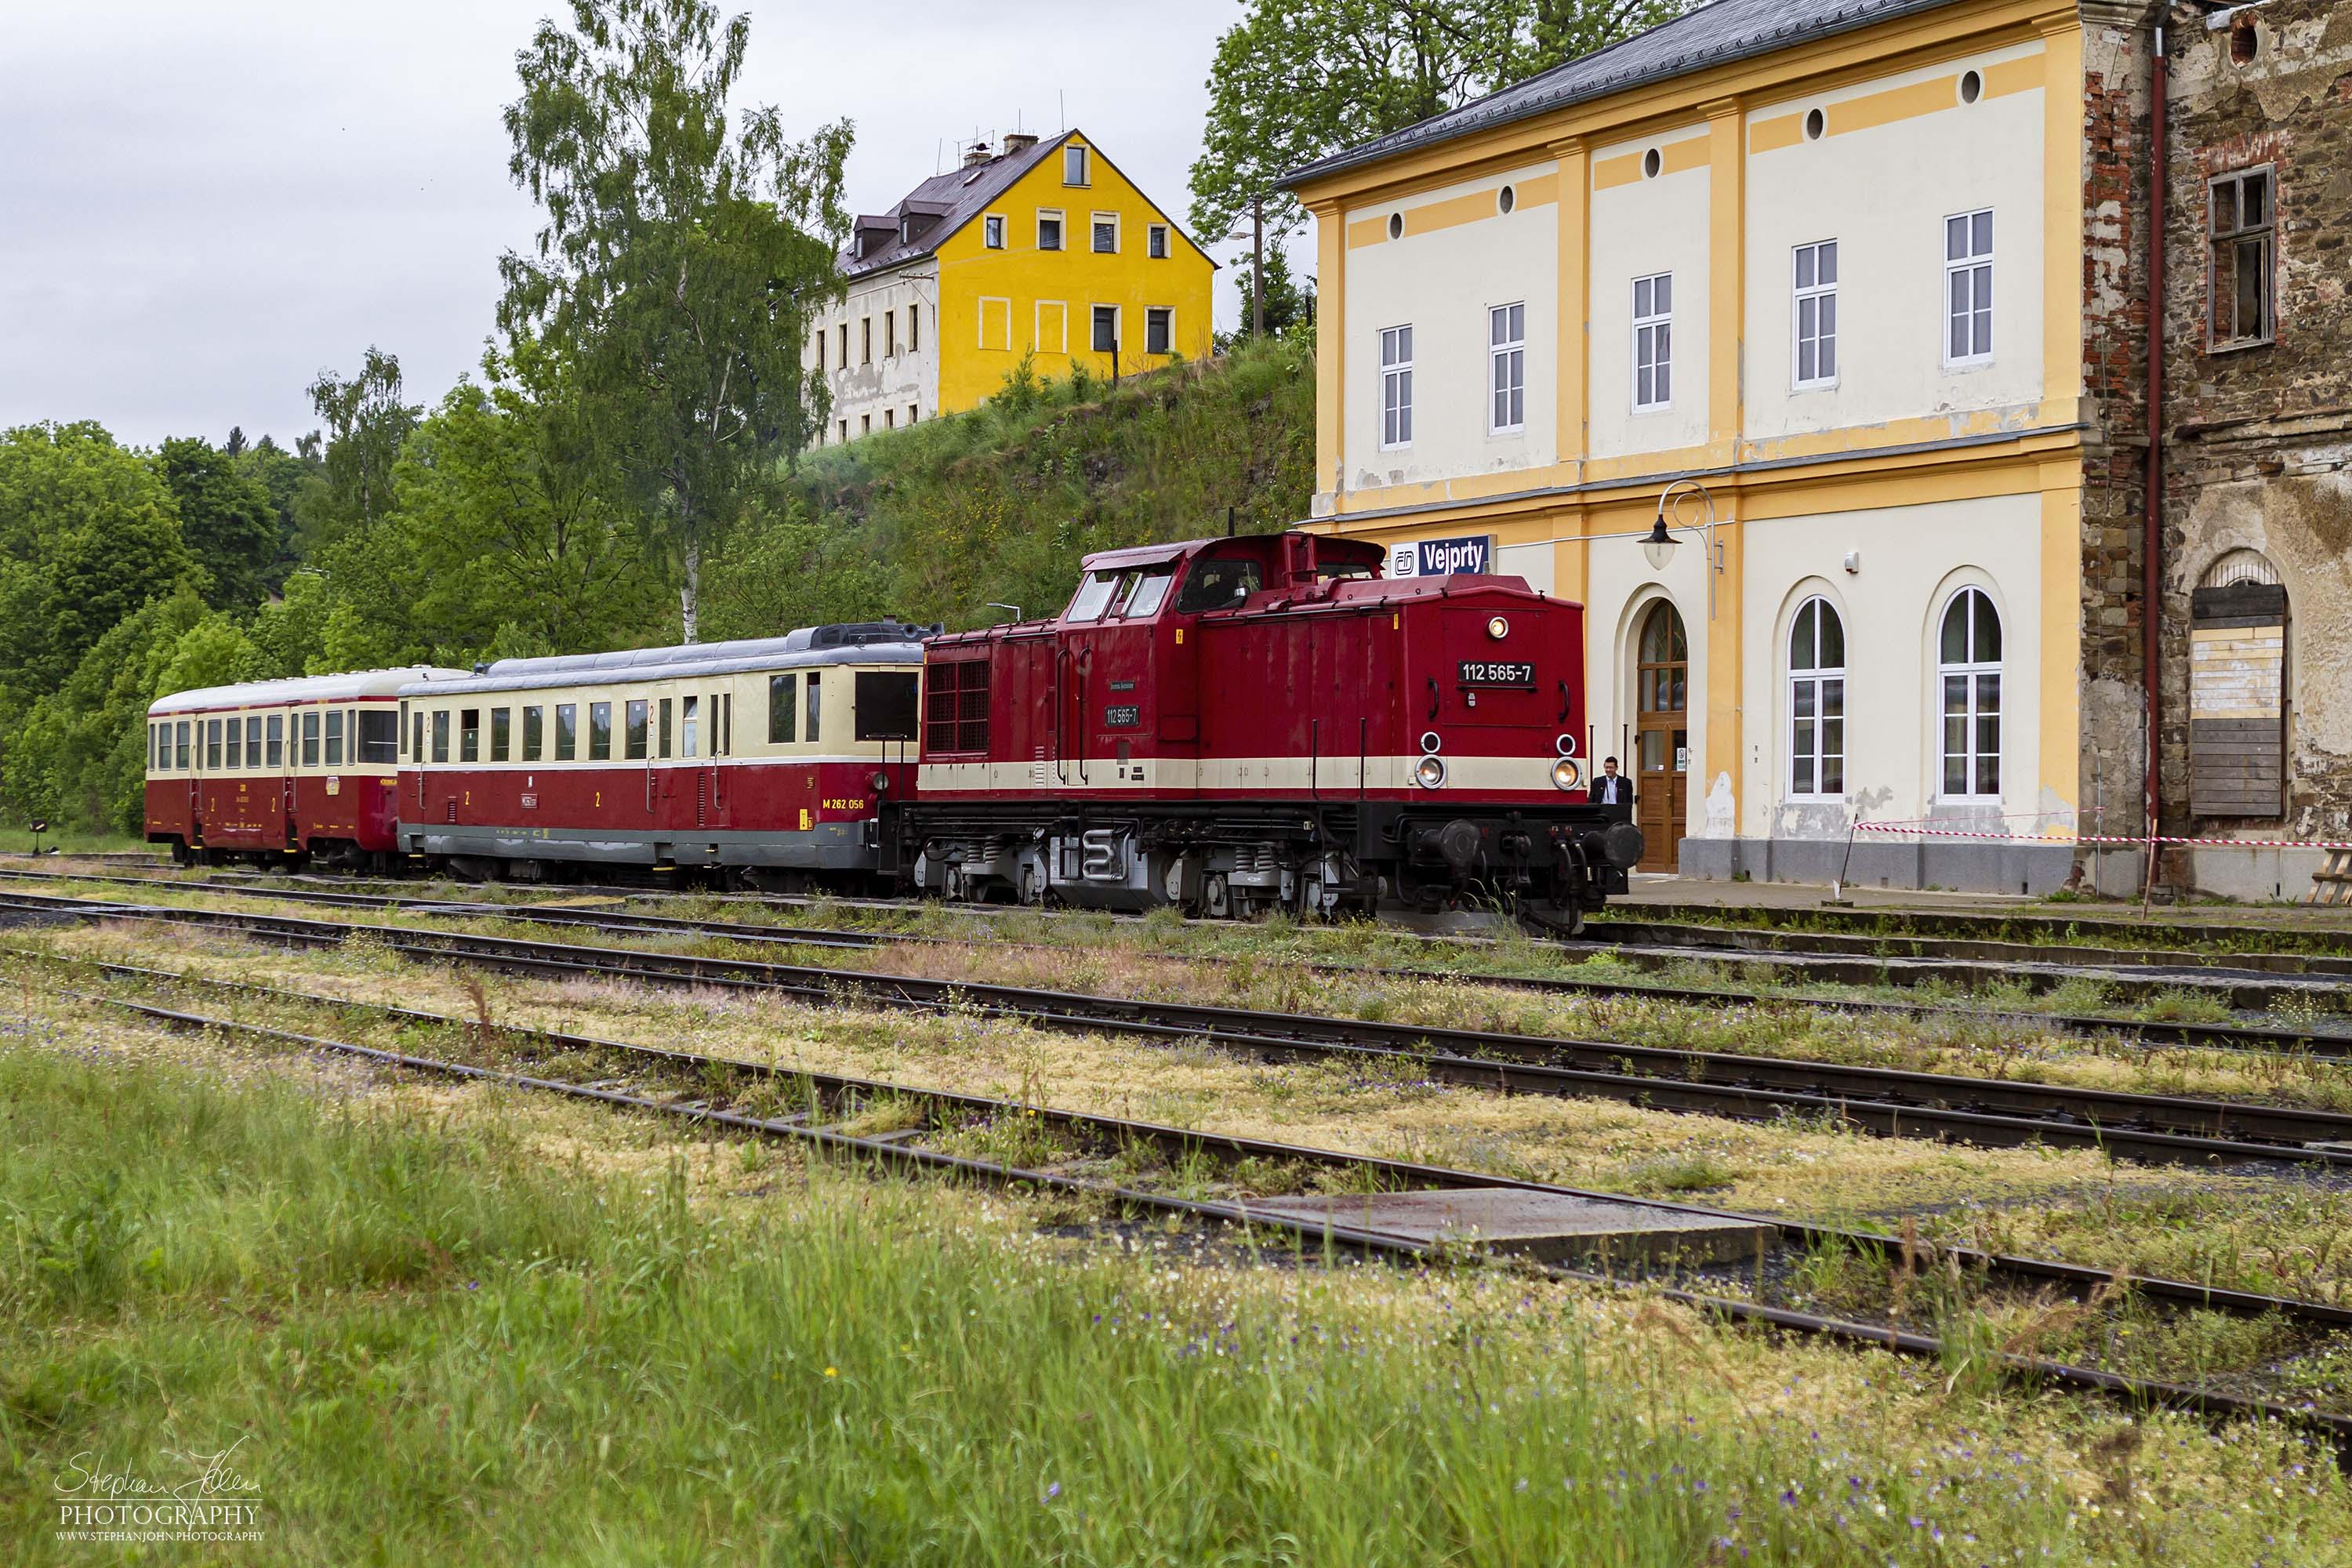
<point>284,476</point>
<point>1286,304</point>
<point>366,424</point>
<point>681,260</point>
<point>1295,80</point>
<point>89,533</point>
<point>934,521</point>
<point>226,518</point>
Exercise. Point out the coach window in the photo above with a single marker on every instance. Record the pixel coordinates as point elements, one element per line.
<point>252,740</point>
<point>727,723</point>
<point>666,706</point>
<point>688,724</point>
<point>1218,584</point>
<point>567,730</point>
<point>235,742</point>
<point>310,739</point>
<point>440,734</point>
<point>375,737</point>
<point>403,732</point>
<point>150,745</point>
<point>1093,597</point>
<point>334,738</point>
<point>784,709</point>
<point>501,734</point>
<point>469,734</point>
<point>534,724</point>
<point>599,731</point>
<point>211,745</point>
<point>278,740</point>
<point>416,738</point>
<point>814,676</point>
<point>637,735</point>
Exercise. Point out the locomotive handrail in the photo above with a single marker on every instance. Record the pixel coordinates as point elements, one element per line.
<point>1566,702</point>
<point>1433,697</point>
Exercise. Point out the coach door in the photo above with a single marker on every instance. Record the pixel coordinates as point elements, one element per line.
<point>1662,737</point>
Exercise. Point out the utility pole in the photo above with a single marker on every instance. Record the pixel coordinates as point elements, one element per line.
<point>1258,266</point>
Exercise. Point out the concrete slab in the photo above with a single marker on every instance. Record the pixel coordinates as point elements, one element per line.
<point>1551,1226</point>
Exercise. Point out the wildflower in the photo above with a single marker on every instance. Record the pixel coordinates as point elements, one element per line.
<point>833,1372</point>
<point>1052,1492</point>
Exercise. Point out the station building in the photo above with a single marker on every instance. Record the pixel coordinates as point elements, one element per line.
<point>1853,293</point>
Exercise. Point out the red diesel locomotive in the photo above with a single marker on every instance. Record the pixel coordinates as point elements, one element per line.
<point>1235,725</point>
<point>278,770</point>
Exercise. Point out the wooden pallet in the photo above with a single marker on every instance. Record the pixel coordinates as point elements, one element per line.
<point>2333,885</point>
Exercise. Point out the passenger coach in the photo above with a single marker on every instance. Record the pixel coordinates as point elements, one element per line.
<point>767,759</point>
<point>279,770</point>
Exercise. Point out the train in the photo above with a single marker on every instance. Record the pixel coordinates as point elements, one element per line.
<point>1224,726</point>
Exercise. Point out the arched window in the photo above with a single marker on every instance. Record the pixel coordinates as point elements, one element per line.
<point>1967,662</point>
<point>1817,701</point>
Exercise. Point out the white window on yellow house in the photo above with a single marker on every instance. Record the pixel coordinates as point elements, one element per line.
<point>1074,166</point>
<point>1156,241</point>
<point>992,231</point>
<point>1106,239</point>
<point>996,323</point>
<point>1052,328</point>
<point>1106,338</point>
<point>1159,330</point>
<point>1049,229</point>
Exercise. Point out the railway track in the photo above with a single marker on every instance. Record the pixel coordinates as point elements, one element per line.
<point>1890,1102</point>
<point>719,1093</point>
<point>2151,1032</point>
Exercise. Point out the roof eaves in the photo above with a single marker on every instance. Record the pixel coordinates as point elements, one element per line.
<point>1466,117</point>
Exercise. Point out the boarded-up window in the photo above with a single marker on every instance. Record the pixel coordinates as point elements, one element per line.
<point>2237,698</point>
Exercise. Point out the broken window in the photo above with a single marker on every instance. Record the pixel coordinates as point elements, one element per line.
<point>2244,219</point>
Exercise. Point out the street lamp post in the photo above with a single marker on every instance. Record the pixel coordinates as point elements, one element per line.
<point>1659,546</point>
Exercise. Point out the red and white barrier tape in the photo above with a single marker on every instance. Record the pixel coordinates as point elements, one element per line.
<point>2101,839</point>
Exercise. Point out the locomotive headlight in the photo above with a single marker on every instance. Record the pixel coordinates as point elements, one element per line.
<point>1566,774</point>
<point>1497,627</point>
<point>1429,773</point>
<point>880,781</point>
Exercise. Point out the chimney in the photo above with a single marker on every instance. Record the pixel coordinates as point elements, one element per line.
<point>976,154</point>
<point>1018,141</point>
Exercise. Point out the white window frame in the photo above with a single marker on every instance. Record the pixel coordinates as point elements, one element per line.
<point>1061,228</point>
<point>1396,387</point>
<point>1094,222</point>
<point>1166,313</point>
<point>1506,368</point>
<point>1077,155</point>
<point>1969,273</point>
<point>1653,337</point>
<point>1972,668</point>
<point>1118,329</point>
<point>1815,293</point>
<point>1037,326</point>
<point>980,312</point>
<point>992,231</point>
<point>1818,682</point>
<point>1155,241</point>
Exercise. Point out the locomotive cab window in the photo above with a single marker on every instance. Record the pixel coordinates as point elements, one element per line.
<point>1093,596</point>
<point>379,738</point>
<point>1146,592</point>
<point>1219,585</point>
<point>885,705</point>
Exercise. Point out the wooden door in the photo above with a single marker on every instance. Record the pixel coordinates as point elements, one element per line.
<point>1662,738</point>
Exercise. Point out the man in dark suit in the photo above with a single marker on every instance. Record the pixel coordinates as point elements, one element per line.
<point>1612,790</point>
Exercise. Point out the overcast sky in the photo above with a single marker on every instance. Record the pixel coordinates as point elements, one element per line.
<point>201,205</point>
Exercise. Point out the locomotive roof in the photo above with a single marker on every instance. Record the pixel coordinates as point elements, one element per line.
<point>870,642</point>
<point>306,688</point>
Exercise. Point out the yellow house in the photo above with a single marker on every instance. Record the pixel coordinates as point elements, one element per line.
<point>1041,250</point>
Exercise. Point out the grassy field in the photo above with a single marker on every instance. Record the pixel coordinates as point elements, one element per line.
<point>448,1325</point>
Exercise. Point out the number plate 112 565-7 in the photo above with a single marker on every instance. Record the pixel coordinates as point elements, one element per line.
<point>1487,672</point>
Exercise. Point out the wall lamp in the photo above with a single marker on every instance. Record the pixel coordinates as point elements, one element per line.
<point>1659,546</point>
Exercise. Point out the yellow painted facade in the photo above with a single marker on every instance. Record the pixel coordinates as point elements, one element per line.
<point>997,304</point>
<point>1790,487</point>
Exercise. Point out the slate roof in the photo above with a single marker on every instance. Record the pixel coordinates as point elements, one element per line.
<point>955,198</point>
<point>1712,35</point>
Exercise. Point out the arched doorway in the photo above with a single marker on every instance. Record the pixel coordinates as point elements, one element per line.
<point>1662,736</point>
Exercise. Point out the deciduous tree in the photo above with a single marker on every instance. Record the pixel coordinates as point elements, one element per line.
<point>686,246</point>
<point>225,517</point>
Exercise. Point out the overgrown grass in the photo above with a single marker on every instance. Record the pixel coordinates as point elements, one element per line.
<point>438,1344</point>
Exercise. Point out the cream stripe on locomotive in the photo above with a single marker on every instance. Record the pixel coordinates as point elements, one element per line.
<point>1336,775</point>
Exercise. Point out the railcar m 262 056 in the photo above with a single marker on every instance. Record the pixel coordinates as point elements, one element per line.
<point>1235,725</point>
